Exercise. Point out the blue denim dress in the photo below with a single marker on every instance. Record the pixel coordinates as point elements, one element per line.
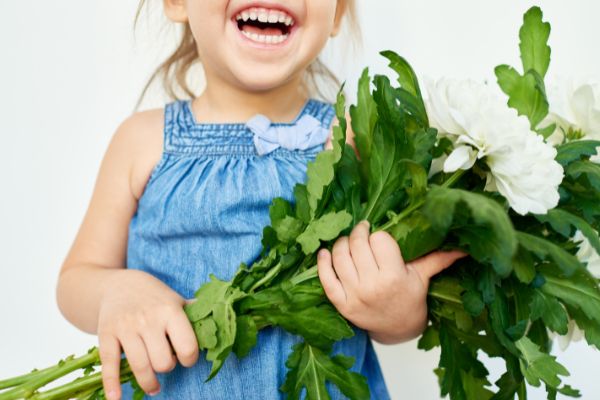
<point>203,210</point>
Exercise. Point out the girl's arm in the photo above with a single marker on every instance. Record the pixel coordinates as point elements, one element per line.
<point>130,310</point>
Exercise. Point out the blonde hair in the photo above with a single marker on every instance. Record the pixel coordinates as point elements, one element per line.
<point>320,81</point>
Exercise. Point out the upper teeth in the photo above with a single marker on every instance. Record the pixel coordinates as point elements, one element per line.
<point>264,15</point>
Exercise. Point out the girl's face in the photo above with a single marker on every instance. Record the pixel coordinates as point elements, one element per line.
<point>258,45</point>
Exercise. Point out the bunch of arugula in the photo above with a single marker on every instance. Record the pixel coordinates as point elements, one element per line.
<point>521,280</point>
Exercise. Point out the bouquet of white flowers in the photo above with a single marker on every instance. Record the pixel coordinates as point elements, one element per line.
<point>511,180</point>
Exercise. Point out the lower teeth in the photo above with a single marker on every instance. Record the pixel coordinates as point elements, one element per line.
<point>269,39</point>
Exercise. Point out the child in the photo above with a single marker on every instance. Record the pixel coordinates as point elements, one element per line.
<point>185,191</point>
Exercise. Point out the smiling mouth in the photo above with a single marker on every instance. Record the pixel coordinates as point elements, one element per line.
<point>265,26</point>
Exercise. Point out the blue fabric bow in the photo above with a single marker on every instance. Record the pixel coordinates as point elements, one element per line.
<point>307,132</point>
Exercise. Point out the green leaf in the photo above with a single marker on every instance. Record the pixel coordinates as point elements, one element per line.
<point>473,303</point>
<point>562,221</point>
<point>500,321</point>
<point>547,250</point>
<point>430,339</point>
<point>416,236</point>
<point>579,291</point>
<point>481,224</point>
<point>524,266</point>
<point>550,311</point>
<point>534,35</point>
<point>406,75</point>
<point>207,296</point>
<point>364,116</point>
<point>302,206</point>
<point>455,360</point>
<point>385,174</point>
<point>320,173</point>
<point>224,317</point>
<point>536,365</point>
<point>310,368</point>
<point>206,333</point>
<point>476,388</point>
<point>288,229</point>
<point>327,227</point>
<point>245,335</point>
<point>575,151</point>
<point>320,326</point>
<point>590,328</point>
<point>585,168</point>
<point>409,91</point>
<point>524,93</point>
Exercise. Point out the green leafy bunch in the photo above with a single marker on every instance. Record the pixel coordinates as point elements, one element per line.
<point>521,281</point>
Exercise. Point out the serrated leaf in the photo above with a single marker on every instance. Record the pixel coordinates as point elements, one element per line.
<point>550,311</point>
<point>364,116</point>
<point>585,168</point>
<point>500,321</point>
<point>562,221</point>
<point>494,242</point>
<point>579,290</point>
<point>320,173</point>
<point>537,366</point>
<point>547,250</point>
<point>327,227</point>
<point>524,93</point>
<point>207,296</point>
<point>310,368</point>
<point>409,84</point>
<point>575,151</point>
<point>590,328</point>
<point>534,34</point>
<point>225,320</point>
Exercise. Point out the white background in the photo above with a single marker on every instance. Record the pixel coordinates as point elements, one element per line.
<point>70,72</point>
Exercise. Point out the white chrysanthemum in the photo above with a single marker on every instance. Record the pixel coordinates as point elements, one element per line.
<point>481,125</point>
<point>574,105</point>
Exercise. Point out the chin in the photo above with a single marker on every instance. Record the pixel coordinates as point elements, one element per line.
<point>263,79</point>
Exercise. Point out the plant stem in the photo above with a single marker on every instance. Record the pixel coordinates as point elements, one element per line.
<point>41,378</point>
<point>305,276</point>
<point>85,384</point>
<point>270,275</point>
<point>18,380</point>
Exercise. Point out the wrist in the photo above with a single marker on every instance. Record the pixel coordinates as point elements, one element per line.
<point>399,335</point>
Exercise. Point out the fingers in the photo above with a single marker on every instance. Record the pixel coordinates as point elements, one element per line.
<point>330,282</point>
<point>110,358</point>
<point>184,339</point>
<point>386,252</point>
<point>434,263</point>
<point>160,352</point>
<point>139,361</point>
<point>343,263</point>
<point>360,250</point>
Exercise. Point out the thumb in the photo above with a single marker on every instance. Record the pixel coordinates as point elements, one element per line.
<point>435,262</point>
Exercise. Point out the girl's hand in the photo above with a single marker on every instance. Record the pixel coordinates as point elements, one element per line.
<point>137,314</point>
<point>368,282</point>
